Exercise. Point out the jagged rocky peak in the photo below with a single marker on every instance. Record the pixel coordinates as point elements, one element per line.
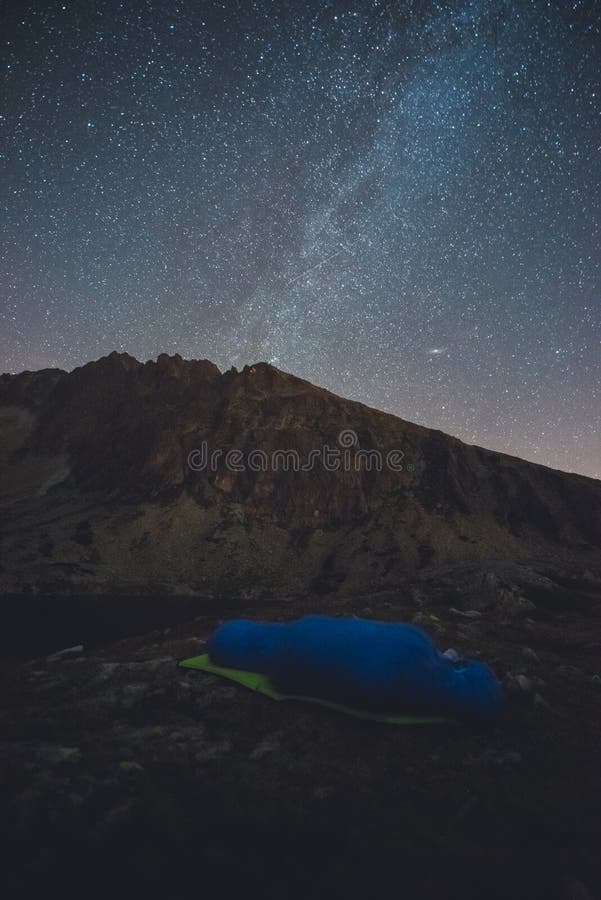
<point>177,367</point>
<point>114,360</point>
<point>261,373</point>
<point>126,430</point>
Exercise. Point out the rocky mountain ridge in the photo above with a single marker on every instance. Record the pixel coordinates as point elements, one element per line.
<point>98,495</point>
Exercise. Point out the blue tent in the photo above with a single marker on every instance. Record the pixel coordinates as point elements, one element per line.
<point>384,668</point>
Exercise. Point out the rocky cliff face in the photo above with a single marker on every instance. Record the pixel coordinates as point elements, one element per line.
<point>104,490</point>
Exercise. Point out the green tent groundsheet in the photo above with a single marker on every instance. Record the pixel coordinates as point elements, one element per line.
<point>256,681</point>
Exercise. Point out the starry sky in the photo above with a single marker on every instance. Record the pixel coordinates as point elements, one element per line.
<point>396,200</point>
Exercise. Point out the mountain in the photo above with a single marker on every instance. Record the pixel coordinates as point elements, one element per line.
<point>123,769</point>
<point>98,495</point>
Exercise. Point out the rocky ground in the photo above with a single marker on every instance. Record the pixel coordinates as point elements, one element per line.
<point>126,775</point>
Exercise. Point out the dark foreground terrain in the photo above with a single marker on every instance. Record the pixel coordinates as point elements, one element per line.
<point>124,775</point>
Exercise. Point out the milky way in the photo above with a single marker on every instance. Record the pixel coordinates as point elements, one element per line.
<point>397,201</point>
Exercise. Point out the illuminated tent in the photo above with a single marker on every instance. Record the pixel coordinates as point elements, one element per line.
<point>390,671</point>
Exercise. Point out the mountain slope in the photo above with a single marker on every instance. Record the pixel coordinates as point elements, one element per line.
<point>98,496</point>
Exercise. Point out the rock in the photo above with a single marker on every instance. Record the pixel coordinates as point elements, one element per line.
<point>515,606</point>
<point>596,679</point>
<point>417,597</point>
<point>56,755</point>
<point>452,655</point>
<point>106,670</point>
<point>427,621</point>
<point>541,703</point>
<point>569,672</point>
<point>155,664</point>
<point>464,636</point>
<point>489,590</point>
<point>130,767</point>
<point>213,751</point>
<point>526,684</point>
<point>472,614</point>
<point>530,655</point>
<point>67,653</point>
<point>518,684</point>
<point>485,590</point>
<point>266,746</point>
<point>491,582</point>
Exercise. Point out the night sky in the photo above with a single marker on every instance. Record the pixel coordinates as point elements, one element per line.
<point>397,201</point>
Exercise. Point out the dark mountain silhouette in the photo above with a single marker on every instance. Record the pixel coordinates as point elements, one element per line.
<point>98,496</point>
